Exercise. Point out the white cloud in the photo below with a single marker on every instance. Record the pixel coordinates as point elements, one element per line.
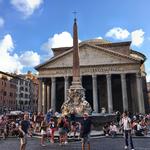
<point>63,39</point>
<point>148,74</point>
<point>148,78</point>
<point>6,44</point>
<point>1,22</point>
<point>30,58</point>
<point>99,37</point>
<point>27,7</point>
<point>118,33</point>
<point>10,62</point>
<point>137,37</point>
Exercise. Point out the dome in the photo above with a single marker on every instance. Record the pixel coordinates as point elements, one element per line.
<point>96,41</point>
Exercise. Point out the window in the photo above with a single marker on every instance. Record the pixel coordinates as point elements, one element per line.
<point>26,83</point>
<point>21,88</point>
<point>21,95</point>
<point>26,95</point>
<point>5,93</point>
<point>26,89</point>
<point>11,94</point>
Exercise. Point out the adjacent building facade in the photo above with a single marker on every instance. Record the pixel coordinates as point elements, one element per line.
<point>7,92</point>
<point>23,94</point>
<point>34,91</point>
<point>27,92</point>
<point>112,74</point>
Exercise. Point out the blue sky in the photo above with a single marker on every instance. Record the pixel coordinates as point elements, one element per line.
<point>29,28</point>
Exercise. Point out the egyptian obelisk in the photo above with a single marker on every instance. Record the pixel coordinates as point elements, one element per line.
<point>76,93</point>
<point>76,83</point>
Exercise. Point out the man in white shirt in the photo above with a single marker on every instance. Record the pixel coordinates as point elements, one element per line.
<point>126,123</point>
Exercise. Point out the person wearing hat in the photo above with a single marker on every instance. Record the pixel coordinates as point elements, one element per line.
<point>85,130</point>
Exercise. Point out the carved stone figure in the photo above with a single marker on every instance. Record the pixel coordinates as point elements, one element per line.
<point>76,103</point>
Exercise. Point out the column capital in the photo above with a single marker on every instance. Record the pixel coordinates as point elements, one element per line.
<point>66,78</point>
<point>53,79</point>
<point>108,75</point>
<point>94,76</point>
<point>123,75</point>
<point>138,75</point>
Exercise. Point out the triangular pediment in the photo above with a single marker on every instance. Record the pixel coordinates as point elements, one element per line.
<point>89,55</point>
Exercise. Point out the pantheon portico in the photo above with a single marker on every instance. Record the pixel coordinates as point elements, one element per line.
<point>112,74</point>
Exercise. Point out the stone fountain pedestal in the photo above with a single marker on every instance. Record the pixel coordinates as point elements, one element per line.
<point>76,102</point>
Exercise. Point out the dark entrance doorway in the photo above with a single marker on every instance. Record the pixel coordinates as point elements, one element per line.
<point>117,93</point>
<point>87,84</point>
<point>59,93</point>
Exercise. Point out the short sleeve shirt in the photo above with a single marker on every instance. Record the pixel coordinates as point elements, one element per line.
<point>25,124</point>
<point>126,123</point>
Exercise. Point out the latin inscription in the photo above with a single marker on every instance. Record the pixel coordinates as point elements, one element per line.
<point>89,70</point>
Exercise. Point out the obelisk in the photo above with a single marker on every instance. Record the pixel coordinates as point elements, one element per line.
<point>76,102</point>
<point>76,83</point>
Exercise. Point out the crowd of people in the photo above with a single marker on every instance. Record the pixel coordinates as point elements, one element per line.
<point>127,124</point>
<point>140,125</point>
<point>46,125</point>
<point>27,125</point>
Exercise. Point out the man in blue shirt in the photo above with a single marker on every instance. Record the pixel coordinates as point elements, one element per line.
<point>24,130</point>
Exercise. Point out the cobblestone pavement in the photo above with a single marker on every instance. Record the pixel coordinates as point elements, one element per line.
<point>101,143</point>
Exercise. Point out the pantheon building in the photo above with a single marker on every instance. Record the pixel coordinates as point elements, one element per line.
<point>112,74</point>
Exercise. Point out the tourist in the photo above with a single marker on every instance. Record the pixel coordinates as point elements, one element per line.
<point>66,127</point>
<point>113,129</point>
<point>126,124</point>
<point>3,127</point>
<point>43,132</point>
<point>49,115</point>
<point>39,119</point>
<point>106,129</point>
<point>138,129</point>
<point>52,127</point>
<point>62,132</point>
<point>85,130</point>
<point>74,128</point>
<point>24,129</point>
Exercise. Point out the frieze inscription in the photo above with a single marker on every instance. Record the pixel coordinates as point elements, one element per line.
<point>89,70</point>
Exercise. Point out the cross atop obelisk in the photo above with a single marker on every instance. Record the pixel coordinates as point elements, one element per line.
<point>75,14</point>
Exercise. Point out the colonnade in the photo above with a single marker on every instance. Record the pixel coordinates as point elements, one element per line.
<point>47,93</point>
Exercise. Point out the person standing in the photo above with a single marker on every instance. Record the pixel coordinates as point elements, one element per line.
<point>49,115</point>
<point>24,131</point>
<point>52,126</point>
<point>61,130</point>
<point>85,130</point>
<point>43,132</point>
<point>126,123</point>
<point>3,127</point>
